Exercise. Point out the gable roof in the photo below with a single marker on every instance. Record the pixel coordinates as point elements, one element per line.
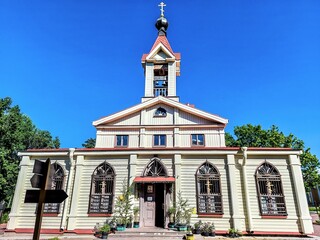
<point>161,43</point>
<point>157,100</point>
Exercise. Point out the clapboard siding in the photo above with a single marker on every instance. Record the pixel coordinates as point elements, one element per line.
<point>107,139</point>
<point>186,178</point>
<point>27,211</point>
<point>187,118</point>
<point>212,137</point>
<point>121,170</point>
<point>154,120</point>
<point>189,168</point>
<point>133,119</point>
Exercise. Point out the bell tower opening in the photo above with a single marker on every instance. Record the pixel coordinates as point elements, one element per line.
<point>160,83</point>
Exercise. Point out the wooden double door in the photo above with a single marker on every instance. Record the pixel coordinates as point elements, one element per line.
<point>154,207</point>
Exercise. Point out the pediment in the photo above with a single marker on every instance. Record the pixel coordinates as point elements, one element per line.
<point>187,115</point>
<point>160,52</point>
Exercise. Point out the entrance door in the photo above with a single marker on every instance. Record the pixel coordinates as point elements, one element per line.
<point>153,205</point>
<point>149,205</point>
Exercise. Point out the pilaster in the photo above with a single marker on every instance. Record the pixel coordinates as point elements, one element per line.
<point>66,206</point>
<point>177,172</point>
<point>171,79</point>
<point>75,193</point>
<point>142,137</point>
<point>17,200</point>
<point>148,92</point>
<point>300,195</point>
<point>132,167</point>
<point>237,219</point>
<point>176,137</point>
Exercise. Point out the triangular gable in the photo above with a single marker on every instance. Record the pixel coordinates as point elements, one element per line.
<point>161,44</point>
<point>160,100</point>
<point>157,49</point>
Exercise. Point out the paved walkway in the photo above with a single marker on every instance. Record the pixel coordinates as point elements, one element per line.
<point>158,236</point>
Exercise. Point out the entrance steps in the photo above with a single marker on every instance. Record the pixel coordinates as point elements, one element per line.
<point>147,233</point>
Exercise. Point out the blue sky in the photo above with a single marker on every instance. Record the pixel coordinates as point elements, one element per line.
<point>68,63</point>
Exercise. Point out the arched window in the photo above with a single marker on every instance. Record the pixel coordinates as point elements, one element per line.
<point>102,189</point>
<point>155,168</point>
<point>209,197</point>
<point>160,112</point>
<point>57,178</point>
<point>269,188</point>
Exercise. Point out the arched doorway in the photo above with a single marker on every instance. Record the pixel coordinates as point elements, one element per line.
<point>155,187</point>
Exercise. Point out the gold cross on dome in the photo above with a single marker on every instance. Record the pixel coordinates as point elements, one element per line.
<point>161,5</point>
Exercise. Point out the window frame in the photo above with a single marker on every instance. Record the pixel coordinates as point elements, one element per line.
<point>197,137</point>
<point>56,207</point>
<point>96,178</point>
<point>265,198</point>
<point>158,110</point>
<point>215,178</point>
<point>122,136</point>
<point>155,136</point>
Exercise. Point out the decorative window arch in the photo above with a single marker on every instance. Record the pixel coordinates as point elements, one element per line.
<point>209,198</point>
<point>269,189</point>
<point>57,180</point>
<point>160,112</point>
<point>102,189</point>
<point>155,168</point>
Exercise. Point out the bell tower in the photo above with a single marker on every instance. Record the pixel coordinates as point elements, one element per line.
<point>161,65</point>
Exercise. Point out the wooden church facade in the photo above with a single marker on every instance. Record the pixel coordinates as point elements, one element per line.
<point>162,147</point>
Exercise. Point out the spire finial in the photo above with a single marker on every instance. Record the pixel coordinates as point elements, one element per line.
<point>162,22</point>
<point>161,5</point>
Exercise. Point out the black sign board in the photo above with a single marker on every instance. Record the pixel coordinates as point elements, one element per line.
<point>52,196</point>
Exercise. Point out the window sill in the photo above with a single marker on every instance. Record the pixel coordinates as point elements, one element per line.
<point>273,217</point>
<point>125,146</point>
<point>209,215</point>
<point>50,214</point>
<point>99,214</point>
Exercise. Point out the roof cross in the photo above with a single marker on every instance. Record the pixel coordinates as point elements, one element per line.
<point>161,5</point>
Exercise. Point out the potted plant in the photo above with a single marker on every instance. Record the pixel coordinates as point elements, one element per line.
<point>136,217</point>
<point>234,233</point>
<point>205,230</point>
<point>197,227</point>
<point>105,229</point>
<point>129,222</point>
<point>123,207</point>
<point>171,213</point>
<point>183,213</point>
<point>212,230</point>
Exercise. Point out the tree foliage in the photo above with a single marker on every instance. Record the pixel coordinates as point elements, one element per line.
<point>254,136</point>
<point>17,133</point>
<point>89,143</point>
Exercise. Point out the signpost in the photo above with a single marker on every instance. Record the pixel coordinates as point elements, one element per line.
<point>42,179</point>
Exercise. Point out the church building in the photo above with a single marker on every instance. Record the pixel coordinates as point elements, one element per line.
<point>162,148</point>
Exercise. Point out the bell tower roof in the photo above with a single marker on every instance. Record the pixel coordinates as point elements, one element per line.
<point>161,65</point>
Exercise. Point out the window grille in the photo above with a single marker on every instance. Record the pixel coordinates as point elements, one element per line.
<point>102,189</point>
<point>270,193</point>
<point>208,189</point>
<point>56,184</point>
<point>155,168</point>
